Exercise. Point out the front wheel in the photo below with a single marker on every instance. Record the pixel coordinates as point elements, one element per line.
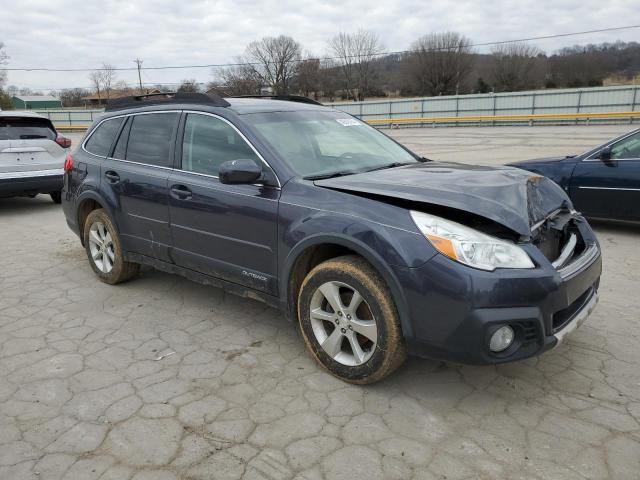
<point>349,321</point>
<point>104,250</point>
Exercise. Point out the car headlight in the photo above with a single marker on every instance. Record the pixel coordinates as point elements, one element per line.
<point>470,246</point>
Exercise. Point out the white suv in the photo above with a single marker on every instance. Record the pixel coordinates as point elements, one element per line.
<point>32,155</point>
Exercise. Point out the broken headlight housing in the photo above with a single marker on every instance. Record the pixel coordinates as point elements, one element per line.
<point>470,246</point>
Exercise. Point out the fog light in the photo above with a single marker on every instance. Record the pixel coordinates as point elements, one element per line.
<point>501,339</point>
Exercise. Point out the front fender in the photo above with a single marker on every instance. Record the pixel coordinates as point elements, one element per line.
<point>390,250</point>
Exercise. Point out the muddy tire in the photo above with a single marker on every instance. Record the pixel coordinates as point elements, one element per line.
<point>349,321</point>
<point>104,249</point>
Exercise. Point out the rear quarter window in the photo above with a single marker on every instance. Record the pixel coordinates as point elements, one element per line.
<point>102,138</point>
<point>26,128</point>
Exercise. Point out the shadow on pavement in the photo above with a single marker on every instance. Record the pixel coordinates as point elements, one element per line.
<point>24,205</point>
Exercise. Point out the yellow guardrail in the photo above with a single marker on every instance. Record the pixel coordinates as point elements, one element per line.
<point>66,126</point>
<point>502,118</point>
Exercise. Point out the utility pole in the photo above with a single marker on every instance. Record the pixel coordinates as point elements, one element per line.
<point>138,62</point>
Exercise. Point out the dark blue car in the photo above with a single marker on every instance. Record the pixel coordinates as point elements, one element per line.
<point>603,182</point>
<point>374,252</point>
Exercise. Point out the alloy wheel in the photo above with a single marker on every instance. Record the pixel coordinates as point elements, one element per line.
<point>343,323</point>
<point>101,247</point>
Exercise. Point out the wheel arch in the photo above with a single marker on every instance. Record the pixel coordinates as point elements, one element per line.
<point>318,248</point>
<point>86,203</point>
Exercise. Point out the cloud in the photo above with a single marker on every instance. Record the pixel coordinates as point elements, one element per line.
<point>79,34</point>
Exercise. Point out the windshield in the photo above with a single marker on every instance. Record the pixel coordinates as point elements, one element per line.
<point>317,143</point>
<point>25,128</point>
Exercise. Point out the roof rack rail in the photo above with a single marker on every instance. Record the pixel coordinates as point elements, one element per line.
<point>148,99</point>
<point>286,98</point>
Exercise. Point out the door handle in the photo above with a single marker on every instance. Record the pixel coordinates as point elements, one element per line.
<point>112,176</point>
<point>180,192</point>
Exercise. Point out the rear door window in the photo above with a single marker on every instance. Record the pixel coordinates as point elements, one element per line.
<point>151,138</point>
<point>102,138</point>
<point>26,128</point>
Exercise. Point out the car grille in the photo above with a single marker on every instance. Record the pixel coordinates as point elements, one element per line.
<point>529,332</point>
<point>559,240</point>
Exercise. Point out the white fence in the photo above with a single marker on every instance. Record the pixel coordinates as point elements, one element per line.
<point>543,103</point>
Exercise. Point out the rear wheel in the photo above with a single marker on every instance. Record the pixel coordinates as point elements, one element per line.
<point>104,249</point>
<point>56,197</point>
<point>349,321</point>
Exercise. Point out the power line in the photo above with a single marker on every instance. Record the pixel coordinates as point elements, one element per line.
<point>237,64</point>
<point>91,87</point>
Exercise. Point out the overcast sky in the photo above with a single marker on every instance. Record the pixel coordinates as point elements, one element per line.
<point>85,33</point>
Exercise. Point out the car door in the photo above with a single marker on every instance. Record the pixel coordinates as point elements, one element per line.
<point>610,188</point>
<point>226,231</point>
<point>135,177</point>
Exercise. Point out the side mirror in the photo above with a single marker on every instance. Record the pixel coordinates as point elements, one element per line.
<point>239,171</point>
<point>605,154</point>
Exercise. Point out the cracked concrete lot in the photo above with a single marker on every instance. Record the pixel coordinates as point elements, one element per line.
<point>161,378</point>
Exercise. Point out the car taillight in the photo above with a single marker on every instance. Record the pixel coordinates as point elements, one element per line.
<point>68,163</point>
<point>64,142</point>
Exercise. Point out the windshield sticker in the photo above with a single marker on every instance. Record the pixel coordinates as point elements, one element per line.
<point>348,122</point>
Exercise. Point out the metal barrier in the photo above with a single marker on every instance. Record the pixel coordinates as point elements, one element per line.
<point>72,119</point>
<point>507,119</point>
<point>581,105</point>
<point>500,107</point>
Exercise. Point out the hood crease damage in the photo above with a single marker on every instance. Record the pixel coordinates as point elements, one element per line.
<point>509,196</point>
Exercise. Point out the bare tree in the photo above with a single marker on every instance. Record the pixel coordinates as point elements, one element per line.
<point>512,65</point>
<point>109,75</point>
<point>580,66</point>
<point>439,63</point>
<point>4,59</point>
<point>354,53</point>
<point>274,60</point>
<point>95,78</point>
<point>122,88</point>
<point>238,80</point>
<point>73,97</point>
<point>307,76</point>
<point>329,79</point>
<point>189,85</point>
<point>366,47</point>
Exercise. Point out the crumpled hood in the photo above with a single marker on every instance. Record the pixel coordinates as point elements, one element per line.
<point>509,196</point>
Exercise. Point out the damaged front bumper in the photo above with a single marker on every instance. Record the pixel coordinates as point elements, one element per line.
<point>454,309</point>
<point>577,320</point>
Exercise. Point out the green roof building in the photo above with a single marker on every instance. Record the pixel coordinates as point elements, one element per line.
<point>35,102</point>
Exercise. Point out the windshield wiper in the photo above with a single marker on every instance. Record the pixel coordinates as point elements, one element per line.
<point>324,176</point>
<point>390,165</point>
